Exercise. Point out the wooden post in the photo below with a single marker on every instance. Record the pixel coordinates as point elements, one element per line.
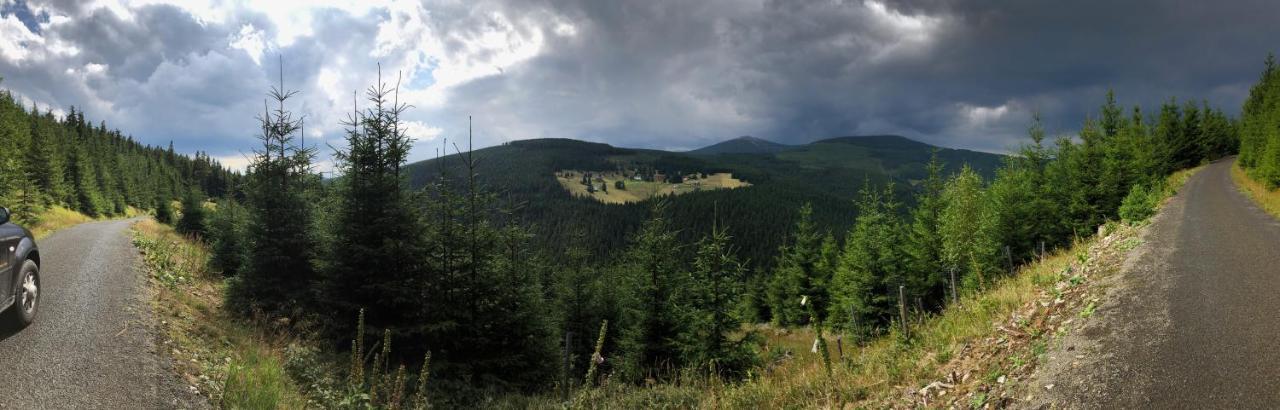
<point>840,346</point>
<point>902,307</point>
<point>954,298</point>
<point>853,319</point>
<point>568,379</point>
<point>1008,253</point>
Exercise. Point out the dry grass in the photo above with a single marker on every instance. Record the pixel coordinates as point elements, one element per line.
<point>58,217</point>
<point>233,363</point>
<point>640,190</point>
<point>1266,198</point>
<point>55,218</point>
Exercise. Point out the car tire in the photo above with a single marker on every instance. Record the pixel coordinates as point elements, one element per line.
<point>26,302</point>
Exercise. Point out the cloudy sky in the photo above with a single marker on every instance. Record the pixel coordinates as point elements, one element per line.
<point>646,73</point>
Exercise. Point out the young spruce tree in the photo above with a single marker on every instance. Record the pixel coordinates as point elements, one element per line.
<point>797,277</point>
<point>375,257</point>
<point>278,273</point>
<point>717,285</point>
<point>873,265</point>
<point>652,340</point>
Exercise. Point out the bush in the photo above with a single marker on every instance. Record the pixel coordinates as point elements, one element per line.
<point>1140,204</point>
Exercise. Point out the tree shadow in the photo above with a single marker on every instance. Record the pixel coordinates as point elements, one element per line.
<point>7,329</point>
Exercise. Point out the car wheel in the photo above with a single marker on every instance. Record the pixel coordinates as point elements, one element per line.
<point>27,301</point>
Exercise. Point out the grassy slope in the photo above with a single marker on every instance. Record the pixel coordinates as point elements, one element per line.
<point>233,363</point>
<point>1266,198</point>
<point>57,217</point>
<point>637,191</point>
<point>974,353</point>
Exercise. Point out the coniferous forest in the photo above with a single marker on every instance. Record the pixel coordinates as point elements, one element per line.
<point>449,270</point>
<point>66,160</point>
<point>454,277</point>
<point>1260,127</point>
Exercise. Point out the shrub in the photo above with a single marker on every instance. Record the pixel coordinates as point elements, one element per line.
<point>1140,204</point>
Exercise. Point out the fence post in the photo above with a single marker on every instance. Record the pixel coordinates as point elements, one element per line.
<point>568,379</point>
<point>853,319</point>
<point>954,298</point>
<point>1008,253</point>
<point>902,307</point>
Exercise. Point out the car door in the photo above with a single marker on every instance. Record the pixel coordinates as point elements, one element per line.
<point>10,235</point>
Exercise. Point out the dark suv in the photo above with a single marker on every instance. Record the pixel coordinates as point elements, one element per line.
<point>19,274</point>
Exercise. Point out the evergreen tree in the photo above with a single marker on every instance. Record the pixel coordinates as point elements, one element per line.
<point>968,228</point>
<point>580,304</point>
<point>797,277</point>
<point>652,340</point>
<point>376,250</point>
<point>1192,129</point>
<point>716,287</point>
<point>923,242</point>
<point>872,266</point>
<point>1112,119</point>
<point>1033,198</point>
<point>226,234</point>
<point>480,296</point>
<point>1173,144</point>
<point>279,243</point>
<point>164,211</point>
<point>192,221</point>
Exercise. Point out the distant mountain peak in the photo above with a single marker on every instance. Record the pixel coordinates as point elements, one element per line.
<point>881,141</point>
<point>745,144</point>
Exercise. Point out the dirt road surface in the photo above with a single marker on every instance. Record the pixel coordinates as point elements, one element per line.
<point>92,345</point>
<point>1194,319</point>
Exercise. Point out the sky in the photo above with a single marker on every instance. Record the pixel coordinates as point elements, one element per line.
<point>652,74</point>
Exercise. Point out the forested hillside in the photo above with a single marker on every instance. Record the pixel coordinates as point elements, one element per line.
<point>50,160</point>
<point>1260,127</point>
<point>481,261</point>
<point>826,175</point>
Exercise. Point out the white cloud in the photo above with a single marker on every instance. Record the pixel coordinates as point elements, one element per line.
<point>421,132</point>
<point>251,41</point>
<point>17,39</point>
<point>979,115</point>
<point>909,34</point>
<point>237,162</point>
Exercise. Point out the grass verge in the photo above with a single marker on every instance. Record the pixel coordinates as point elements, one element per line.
<point>1267,199</point>
<point>236,364</point>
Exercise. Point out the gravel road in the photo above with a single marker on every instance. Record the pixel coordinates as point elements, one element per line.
<point>1194,319</point>
<point>92,345</point>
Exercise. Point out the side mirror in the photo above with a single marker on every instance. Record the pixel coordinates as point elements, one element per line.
<point>4,215</point>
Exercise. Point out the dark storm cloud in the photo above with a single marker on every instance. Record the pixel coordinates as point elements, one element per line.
<point>955,73</point>
<point>663,74</point>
